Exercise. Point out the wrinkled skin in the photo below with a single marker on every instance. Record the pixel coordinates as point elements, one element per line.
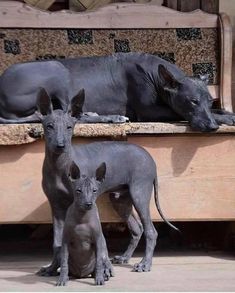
<point>142,87</point>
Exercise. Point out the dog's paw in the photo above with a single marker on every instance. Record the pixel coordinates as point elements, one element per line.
<point>62,281</point>
<point>99,280</point>
<point>122,119</point>
<point>142,267</point>
<point>118,119</point>
<point>225,119</point>
<point>119,259</point>
<point>108,270</point>
<point>47,272</point>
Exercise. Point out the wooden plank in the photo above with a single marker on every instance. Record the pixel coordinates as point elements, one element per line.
<point>186,6</point>
<point>196,179</point>
<point>40,4</point>
<point>226,62</point>
<point>121,15</point>
<point>210,6</point>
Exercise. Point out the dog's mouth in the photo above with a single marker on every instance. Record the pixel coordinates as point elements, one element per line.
<point>204,128</point>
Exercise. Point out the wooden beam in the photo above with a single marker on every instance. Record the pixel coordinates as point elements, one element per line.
<point>122,15</point>
<point>41,4</point>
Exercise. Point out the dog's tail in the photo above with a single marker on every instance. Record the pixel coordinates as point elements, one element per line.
<point>155,187</point>
<point>29,119</point>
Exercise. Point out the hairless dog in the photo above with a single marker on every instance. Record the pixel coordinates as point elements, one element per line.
<point>131,174</point>
<point>141,86</point>
<point>84,250</point>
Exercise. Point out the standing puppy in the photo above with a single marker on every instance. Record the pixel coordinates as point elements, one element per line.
<point>84,250</point>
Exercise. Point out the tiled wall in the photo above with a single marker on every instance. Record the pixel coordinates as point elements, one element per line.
<point>195,50</point>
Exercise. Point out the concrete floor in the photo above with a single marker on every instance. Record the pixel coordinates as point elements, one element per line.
<point>170,272</point>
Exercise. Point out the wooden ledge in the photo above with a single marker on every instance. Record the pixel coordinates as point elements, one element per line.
<point>16,134</point>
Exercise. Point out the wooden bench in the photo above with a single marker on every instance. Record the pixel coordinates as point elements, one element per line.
<point>196,171</point>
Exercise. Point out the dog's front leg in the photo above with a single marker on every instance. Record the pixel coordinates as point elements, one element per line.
<point>99,268</point>
<point>58,226</point>
<point>223,117</point>
<point>90,117</point>
<point>64,270</point>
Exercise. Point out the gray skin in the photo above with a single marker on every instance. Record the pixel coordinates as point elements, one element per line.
<point>130,178</point>
<point>84,251</point>
<point>140,86</point>
<point>21,83</point>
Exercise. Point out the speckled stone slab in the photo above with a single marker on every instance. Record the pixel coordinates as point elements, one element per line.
<point>195,50</point>
<point>15,134</point>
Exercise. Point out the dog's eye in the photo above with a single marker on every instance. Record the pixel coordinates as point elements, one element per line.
<point>69,127</point>
<point>195,102</point>
<point>78,191</point>
<point>50,126</point>
<point>94,190</point>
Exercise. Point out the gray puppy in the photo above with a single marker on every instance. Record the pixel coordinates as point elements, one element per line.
<point>84,250</point>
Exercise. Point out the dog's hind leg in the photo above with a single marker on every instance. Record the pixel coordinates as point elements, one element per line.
<point>141,195</point>
<point>123,206</point>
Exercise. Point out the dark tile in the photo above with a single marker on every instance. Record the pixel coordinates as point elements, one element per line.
<point>204,68</point>
<point>12,47</point>
<point>188,34</point>
<point>49,57</point>
<point>111,35</point>
<point>170,57</point>
<point>80,36</point>
<point>2,35</point>
<point>121,46</point>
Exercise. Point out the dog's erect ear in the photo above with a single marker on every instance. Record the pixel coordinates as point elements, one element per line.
<point>77,103</point>
<point>100,172</point>
<point>167,80</point>
<point>204,78</point>
<point>74,172</point>
<point>44,105</point>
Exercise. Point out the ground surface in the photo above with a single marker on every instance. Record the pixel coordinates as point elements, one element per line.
<point>171,271</point>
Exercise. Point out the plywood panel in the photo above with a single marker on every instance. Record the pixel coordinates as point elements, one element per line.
<point>196,179</point>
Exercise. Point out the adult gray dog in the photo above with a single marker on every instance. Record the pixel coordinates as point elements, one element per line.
<point>142,87</point>
<point>130,177</point>
<point>84,251</point>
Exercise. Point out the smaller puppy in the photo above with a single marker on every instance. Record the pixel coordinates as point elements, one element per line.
<point>84,250</point>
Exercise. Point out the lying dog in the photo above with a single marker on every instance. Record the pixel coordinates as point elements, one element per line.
<point>84,250</point>
<point>142,87</point>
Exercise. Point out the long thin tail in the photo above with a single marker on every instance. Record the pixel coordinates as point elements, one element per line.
<point>155,187</point>
<point>29,119</point>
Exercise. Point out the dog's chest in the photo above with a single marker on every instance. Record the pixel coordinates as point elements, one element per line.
<point>81,239</point>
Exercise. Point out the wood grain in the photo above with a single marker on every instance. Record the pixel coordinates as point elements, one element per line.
<point>196,179</point>
<point>118,15</point>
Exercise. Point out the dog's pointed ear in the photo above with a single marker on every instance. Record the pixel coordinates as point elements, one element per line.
<point>204,78</point>
<point>100,172</point>
<point>44,105</point>
<point>74,171</point>
<point>77,103</point>
<point>167,80</point>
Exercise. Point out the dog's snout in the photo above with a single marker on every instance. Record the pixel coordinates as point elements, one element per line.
<point>89,205</point>
<point>60,145</point>
<point>214,126</point>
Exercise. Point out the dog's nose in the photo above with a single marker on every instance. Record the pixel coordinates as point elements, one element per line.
<point>60,145</point>
<point>88,205</point>
<point>214,126</point>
